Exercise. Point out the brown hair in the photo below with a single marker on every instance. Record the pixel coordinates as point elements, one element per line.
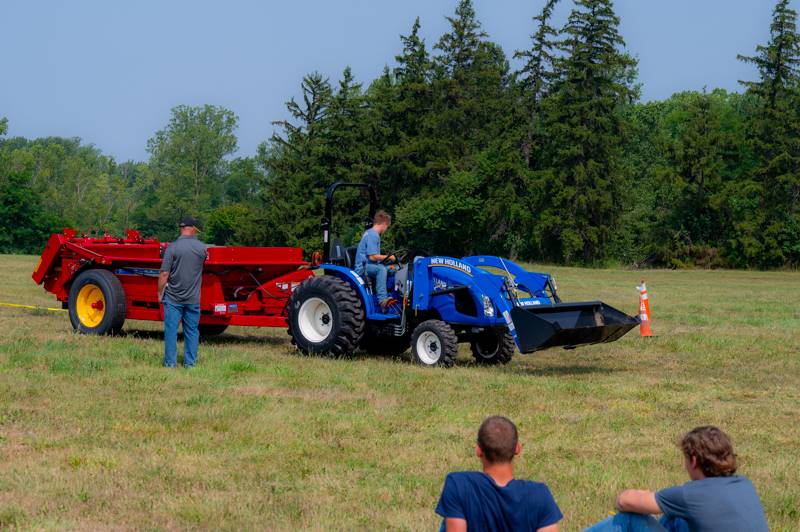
<point>382,217</point>
<point>713,450</point>
<point>497,438</point>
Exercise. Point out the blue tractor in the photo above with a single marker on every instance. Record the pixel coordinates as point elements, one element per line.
<point>490,302</point>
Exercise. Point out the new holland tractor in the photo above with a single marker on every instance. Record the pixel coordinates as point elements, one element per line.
<point>490,302</point>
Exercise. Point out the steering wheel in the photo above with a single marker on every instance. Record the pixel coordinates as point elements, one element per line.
<point>400,255</point>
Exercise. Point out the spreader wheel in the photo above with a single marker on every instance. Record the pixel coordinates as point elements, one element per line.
<point>434,343</point>
<point>325,317</point>
<point>97,303</point>
<point>493,347</point>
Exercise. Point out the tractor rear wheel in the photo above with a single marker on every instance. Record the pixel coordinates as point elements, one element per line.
<point>434,343</point>
<point>326,317</point>
<point>97,303</point>
<point>211,329</point>
<point>493,347</point>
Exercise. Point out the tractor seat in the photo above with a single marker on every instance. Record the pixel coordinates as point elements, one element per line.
<point>338,254</point>
<point>350,257</point>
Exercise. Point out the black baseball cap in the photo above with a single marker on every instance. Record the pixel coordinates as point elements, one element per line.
<point>188,221</point>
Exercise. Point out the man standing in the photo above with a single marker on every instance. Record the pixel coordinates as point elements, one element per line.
<point>369,260</point>
<point>179,292</point>
<point>714,499</point>
<point>494,499</point>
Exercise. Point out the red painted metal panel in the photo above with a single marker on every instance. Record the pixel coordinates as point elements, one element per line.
<point>241,285</point>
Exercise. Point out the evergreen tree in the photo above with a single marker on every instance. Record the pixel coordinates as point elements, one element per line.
<point>582,185</point>
<point>295,180</point>
<point>775,136</point>
<point>535,77</point>
<point>693,179</point>
<point>413,64</point>
<point>411,148</point>
<point>469,84</point>
<point>345,152</point>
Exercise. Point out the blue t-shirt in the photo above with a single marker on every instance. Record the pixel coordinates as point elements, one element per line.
<point>370,245</point>
<point>728,504</point>
<point>519,505</point>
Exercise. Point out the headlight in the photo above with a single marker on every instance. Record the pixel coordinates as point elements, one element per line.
<point>488,306</point>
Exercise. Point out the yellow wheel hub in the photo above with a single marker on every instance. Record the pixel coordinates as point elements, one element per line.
<point>91,305</point>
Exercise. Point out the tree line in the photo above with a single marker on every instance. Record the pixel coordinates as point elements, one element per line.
<point>557,160</point>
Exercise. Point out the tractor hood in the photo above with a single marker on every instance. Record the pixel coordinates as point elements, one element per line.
<point>567,325</point>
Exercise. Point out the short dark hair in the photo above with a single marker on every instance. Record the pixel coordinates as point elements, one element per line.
<point>497,438</point>
<point>382,217</point>
<point>713,450</point>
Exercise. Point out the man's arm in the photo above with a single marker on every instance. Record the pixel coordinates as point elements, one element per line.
<point>454,524</point>
<point>549,528</point>
<point>162,283</point>
<point>378,257</point>
<point>638,502</point>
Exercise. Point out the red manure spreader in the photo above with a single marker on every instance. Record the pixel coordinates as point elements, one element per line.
<point>104,281</point>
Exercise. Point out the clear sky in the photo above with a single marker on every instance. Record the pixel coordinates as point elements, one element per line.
<point>109,71</point>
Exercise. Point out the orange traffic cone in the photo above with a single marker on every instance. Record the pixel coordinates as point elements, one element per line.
<point>644,311</point>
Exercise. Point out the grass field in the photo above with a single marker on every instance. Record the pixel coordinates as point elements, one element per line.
<point>95,434</point>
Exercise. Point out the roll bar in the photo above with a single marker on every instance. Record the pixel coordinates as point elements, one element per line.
<point>327,219</point>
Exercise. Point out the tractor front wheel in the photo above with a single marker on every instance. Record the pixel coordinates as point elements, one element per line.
<point>434,343</point>
<point>326,317</point>
<point>493,347</point>
<point>97,303</point>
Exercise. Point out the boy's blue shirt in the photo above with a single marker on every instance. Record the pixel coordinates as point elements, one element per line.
<point>370,245</point>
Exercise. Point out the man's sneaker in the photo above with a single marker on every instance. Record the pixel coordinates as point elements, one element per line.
<point>387,303</point>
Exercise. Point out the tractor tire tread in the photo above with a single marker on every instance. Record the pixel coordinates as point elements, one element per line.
<point>350,311</point>
<point>447,336</point>
<point>504,353</point>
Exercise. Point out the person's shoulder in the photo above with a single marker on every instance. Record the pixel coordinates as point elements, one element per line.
<point>735,481</point>
<point>465,475</point>
<point>532,486</point>
<point>468,479</point>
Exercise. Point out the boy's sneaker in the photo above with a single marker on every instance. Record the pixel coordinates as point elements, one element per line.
<point>387,303</point>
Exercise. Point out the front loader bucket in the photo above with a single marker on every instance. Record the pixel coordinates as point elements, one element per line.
<point>569,325</point>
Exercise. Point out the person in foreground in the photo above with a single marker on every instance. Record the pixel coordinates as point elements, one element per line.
<point>494,499</point>
<point>713,500</point>
<point>179,292</point>
<point>369,260</point>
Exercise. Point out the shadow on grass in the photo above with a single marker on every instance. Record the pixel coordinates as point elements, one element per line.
<point>548,371</point>
<point>222,339</point>
<point>557,371</point>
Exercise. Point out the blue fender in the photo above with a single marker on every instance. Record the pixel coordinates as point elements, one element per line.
<point>371,310</point>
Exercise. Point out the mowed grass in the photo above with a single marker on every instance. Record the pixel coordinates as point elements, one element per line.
<point>94,434</point>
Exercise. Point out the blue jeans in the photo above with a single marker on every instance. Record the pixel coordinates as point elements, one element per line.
<point>379,273</point>
<point>628,522</point>
<point>174,313</point>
